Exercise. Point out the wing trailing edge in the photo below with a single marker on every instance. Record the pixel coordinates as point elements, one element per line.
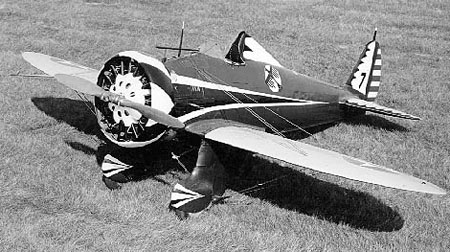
<point>314,158</point>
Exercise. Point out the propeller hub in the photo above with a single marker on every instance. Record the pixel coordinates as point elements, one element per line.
<point>129,87</point>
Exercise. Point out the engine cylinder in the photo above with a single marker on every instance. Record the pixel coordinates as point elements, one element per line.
<point>141,79</point>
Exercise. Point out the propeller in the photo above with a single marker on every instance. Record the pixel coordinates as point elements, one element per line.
<point>86,87</point>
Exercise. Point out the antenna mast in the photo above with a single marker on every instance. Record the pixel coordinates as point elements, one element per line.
<point>181,40</point>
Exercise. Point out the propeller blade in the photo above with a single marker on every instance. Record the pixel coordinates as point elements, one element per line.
<point>80,84</point>
<point>154,114</point>
<point>87,87</point>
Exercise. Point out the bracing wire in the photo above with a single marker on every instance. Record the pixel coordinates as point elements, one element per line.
<point>237,100</point>
<point>212,78</point>
<point>86,102</point>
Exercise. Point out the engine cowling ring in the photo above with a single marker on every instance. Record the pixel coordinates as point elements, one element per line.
<point>141,79</point>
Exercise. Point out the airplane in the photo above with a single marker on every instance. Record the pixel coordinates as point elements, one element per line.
<point>243,98</point>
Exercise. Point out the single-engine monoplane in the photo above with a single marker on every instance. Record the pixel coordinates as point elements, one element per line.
<point>245,99</point>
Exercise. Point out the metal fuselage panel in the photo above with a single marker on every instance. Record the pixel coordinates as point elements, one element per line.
<point>219,90</point>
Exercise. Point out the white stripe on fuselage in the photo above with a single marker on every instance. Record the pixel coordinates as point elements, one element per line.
<point>200,112</point>
<point>183,80</point>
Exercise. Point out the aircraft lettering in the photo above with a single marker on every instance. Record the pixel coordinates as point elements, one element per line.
<point>196,89</point>
<point>362,81</point>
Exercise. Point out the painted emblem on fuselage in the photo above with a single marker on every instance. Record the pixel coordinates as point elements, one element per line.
<point>272,78</point>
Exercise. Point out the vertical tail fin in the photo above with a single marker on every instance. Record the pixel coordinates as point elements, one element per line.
<point>365,78</point>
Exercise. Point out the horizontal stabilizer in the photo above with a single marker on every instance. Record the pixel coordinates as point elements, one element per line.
<point>376,108</point>
<point>318,159</point>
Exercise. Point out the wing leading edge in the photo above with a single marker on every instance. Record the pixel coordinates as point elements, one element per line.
<point>52,66</point>
<point>318,159</point>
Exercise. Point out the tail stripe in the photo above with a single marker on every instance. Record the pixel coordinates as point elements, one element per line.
<point>371,96</point>
<point>374,84</point>
<point>366,76</point>
<point>373,89</point>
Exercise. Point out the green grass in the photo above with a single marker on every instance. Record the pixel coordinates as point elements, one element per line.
<point>52,197</point>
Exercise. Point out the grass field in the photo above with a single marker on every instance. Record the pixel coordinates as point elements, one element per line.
<point>52,197</point>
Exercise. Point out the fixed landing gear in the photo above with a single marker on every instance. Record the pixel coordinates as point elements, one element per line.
<point>204,185</point>
<point>206,182</point>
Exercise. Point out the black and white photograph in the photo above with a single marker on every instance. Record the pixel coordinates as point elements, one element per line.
<point>266,125</point>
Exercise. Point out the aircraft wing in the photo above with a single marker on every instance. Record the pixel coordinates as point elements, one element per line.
<point>376,108</point>
<point>308,156</point>
<point>52,66</point>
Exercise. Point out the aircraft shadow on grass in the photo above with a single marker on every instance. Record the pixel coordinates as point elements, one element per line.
<point>73,112</point>
<point>375,122</point>
<point>299,192</point>
<point>296,191</point>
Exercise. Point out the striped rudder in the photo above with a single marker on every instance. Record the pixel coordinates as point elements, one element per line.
<point>366,76</point>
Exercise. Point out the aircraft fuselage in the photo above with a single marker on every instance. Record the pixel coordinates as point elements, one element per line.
<point>211,88</point>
